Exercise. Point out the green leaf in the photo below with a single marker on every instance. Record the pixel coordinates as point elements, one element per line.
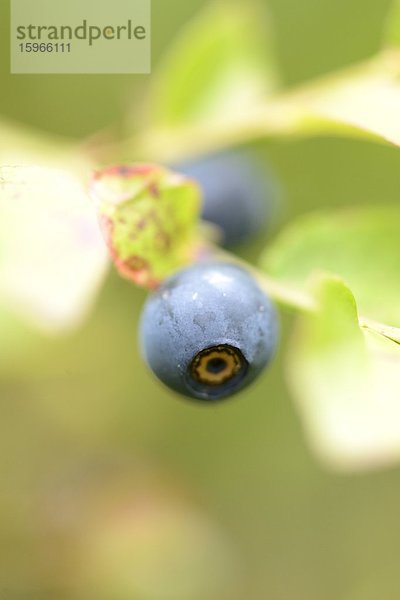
<point>359,102</point>
<point>346,382</point>
<point>149,217</point>
<point>363,101</point>
<point>219,67</point>
<point>20,145</point>
<point>361,245</point>
<point>52,257</point>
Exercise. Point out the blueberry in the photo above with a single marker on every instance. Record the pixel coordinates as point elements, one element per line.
<point>208,331</point>
<point>238,194</point>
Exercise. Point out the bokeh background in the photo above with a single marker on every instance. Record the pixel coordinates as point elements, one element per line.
<point>113,488</point>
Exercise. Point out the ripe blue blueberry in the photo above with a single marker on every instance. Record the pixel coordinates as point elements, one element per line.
<point>238,194</point>
<point>208,331</point>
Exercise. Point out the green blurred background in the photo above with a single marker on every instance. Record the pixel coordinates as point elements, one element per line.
<point>113,488</point>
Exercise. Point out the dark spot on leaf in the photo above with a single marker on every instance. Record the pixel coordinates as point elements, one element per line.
<point>162,240</point>
<point>154,190</point>
<point>141,224</point>
<point>135,263</point>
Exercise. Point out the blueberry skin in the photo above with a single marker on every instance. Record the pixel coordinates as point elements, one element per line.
<point>238,194</point>
<point>208,331</point>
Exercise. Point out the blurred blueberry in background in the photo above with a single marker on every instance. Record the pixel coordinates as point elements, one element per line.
<point>239,193</point>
